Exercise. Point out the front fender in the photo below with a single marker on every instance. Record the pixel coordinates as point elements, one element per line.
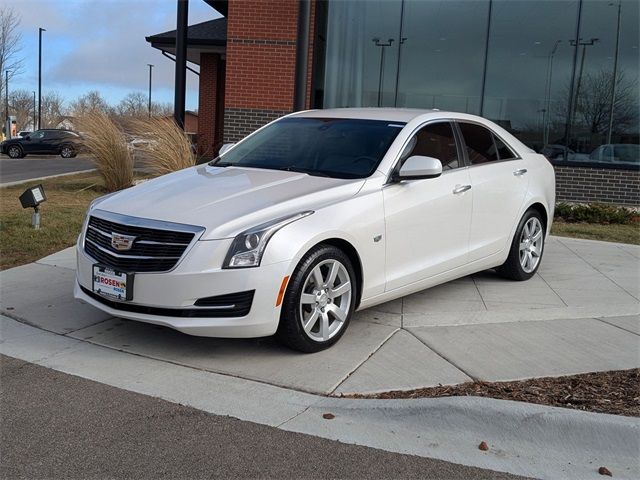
<point>357,221</point>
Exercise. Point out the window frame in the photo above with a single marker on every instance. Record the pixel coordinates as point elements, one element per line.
<point>461,154</point>
<point>516,156</point>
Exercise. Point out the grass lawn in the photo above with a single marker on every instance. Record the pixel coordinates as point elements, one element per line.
<point>61,218</point>
<point>594,231</point>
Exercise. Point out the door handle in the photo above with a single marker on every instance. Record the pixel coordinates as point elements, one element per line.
<point>519,173</point>
<point>461,189</point>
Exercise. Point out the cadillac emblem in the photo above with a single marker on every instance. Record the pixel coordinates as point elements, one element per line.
<point>122,242</point>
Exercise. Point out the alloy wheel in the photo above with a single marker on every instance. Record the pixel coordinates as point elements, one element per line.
<point>325,300</point>
<point>14,152</point>
<point>66,152</point>
<point>531,244</point>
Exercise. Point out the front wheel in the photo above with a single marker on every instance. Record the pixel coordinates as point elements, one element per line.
<point>14,151</point>
<point>526,249</point>
<point>319,301</point>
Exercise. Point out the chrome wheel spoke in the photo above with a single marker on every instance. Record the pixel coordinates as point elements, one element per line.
<point>317,277</point>
<point>324,330</point>
<point>340,290</point>
<point>337,312</point>
<point>333,273</point>
<point>311,321</point>
<point>308,299</point>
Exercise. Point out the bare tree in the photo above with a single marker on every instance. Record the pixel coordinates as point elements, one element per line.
<point>21,105</point>
<point>593,107</point>
<point>52,110</point>
<point>134,104</point>
<point>10,38</point>
<point>90,102</point>
<point>161,109</point>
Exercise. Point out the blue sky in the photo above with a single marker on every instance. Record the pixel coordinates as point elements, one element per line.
<point>100,45</point>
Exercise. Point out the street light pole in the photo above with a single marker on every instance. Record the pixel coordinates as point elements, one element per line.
<point>150,74</point>
<point>377,43</point>
<point>615,76</point>
<point>590,43</point>
<point>40,30</point>
<point>547,109</point>
<point>33,127</point>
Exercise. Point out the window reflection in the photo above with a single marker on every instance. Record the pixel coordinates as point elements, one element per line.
<point>526,65</point>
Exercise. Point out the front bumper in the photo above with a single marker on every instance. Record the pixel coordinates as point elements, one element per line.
<point>195,277</point>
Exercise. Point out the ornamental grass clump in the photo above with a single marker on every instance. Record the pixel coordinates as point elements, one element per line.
<point>166,147</point>
<point>108,146</point>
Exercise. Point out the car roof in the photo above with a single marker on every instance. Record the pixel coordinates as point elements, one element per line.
<point>386,114</point>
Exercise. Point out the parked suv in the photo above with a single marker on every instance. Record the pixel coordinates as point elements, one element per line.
<point>65,143</point>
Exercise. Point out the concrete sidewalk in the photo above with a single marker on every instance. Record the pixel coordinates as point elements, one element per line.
<point>530,440</point>
<point>578,314</point>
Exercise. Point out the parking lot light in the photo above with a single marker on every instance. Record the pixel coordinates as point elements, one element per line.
<point>32,198</point>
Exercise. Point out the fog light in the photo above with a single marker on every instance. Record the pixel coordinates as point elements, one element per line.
<point>32,198</point>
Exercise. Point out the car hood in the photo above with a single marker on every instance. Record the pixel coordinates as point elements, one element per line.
<point>226,201</point>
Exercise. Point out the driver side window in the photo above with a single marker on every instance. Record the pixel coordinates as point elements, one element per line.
<point>435,140</point>
<point>38,135</point>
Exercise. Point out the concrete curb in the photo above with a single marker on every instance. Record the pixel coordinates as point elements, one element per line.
<point>531,440</point>
<point>19,182</point>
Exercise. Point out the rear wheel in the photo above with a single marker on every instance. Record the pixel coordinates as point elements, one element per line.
<point>14,151</point>
<point>319,301</point>
<point>526,249</point>
<point>67,151</point>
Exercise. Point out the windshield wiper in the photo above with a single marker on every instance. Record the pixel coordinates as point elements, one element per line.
<point>313,173</point>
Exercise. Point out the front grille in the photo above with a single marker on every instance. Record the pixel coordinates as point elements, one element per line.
<point>153,249</point>
<point>239,309</point>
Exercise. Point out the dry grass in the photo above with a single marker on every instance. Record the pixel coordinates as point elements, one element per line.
<point>168,148</point>
<point>62,216</point>
<point>111,155</point>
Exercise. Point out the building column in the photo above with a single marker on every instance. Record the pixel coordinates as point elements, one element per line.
<point>208,103</point>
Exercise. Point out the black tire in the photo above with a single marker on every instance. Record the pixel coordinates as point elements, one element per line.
<point>67,151</point>
<point>15,151</point>
<point>513,268</point>
<point>290,329</point>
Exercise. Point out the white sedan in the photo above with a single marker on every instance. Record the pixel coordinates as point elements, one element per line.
<point>314,216</point>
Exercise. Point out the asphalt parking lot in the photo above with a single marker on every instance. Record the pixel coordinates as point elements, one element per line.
<point>56,425</point>
<point>38,166</point>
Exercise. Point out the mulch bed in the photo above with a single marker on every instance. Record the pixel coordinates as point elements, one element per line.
<point>616,392</point>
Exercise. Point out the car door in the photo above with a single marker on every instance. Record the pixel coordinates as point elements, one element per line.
<point>499,181</point>
<point>427,221</point>
<point>34,143</point>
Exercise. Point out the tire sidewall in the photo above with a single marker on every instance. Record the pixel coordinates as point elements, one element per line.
<point>290,313</point>
<point>515,247</point>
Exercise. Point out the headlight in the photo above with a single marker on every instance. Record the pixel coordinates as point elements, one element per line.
<point>248,247</point>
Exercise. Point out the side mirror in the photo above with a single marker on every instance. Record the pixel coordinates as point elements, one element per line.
<point>418,167</point>
<point>225,147</point>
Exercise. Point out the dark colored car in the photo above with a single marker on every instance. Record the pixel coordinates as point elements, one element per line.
<point>49,141</point>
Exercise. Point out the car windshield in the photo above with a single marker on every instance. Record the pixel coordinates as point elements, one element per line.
<point>331,147</point>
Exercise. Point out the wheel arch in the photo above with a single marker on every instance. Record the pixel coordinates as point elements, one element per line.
<point>351,252</point>
<point>542,210</point>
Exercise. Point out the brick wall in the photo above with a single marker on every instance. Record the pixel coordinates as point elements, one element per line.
<point>208,103</point>
<point>261,55</point>
<point>583,184</point>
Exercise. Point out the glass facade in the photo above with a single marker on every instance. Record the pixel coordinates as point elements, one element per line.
<point>543,69</point>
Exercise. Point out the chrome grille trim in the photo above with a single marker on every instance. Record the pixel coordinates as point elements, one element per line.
<point>149,252</point>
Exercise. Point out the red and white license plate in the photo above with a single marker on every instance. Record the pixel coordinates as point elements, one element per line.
<point>112,284</point>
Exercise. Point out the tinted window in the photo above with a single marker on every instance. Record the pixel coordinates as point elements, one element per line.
<point>435,140</point>
<point>504,152</point>
<point>479,142</point>
<point>335,147</point>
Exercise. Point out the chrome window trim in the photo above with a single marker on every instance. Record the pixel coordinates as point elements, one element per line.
<point>469,164</point>
<point>147,223</point>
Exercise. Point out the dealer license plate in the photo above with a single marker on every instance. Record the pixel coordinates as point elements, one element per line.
<point>112,284</point>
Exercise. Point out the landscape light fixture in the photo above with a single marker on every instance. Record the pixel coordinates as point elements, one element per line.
<point>32,198</point>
